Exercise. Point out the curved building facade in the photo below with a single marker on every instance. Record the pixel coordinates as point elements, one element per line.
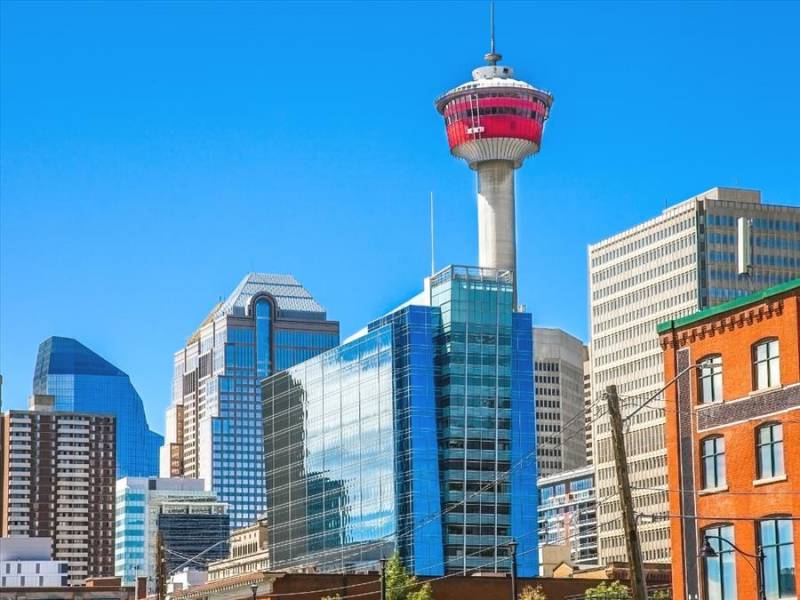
<point>83,381</point>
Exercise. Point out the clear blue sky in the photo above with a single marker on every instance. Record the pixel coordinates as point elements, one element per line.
<point>152,154</point>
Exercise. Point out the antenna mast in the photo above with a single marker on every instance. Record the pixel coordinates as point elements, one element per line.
<point>492,57</point>
<point>433,245</point>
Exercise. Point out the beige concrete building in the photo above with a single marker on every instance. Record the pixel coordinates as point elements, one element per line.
<point>558,378</point>
<point>249,553</point>
<point>719,245</point>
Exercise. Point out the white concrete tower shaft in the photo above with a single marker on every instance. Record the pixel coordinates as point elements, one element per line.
<point>497,244</point>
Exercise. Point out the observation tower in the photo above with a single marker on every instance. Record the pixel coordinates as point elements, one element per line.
<point>495,122</point>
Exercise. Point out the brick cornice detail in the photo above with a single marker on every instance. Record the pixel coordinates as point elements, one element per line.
<point>722,324</point>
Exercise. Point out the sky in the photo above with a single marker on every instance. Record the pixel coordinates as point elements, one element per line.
<point>152,154</point>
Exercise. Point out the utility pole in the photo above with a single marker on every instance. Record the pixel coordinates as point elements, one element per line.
<point>383,579</point>
<point>638,583</point>
<point>512,549</point>
<point>161,568</point>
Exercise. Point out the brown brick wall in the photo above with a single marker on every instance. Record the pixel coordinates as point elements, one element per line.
<point>452,588</point>
<point>732,335</point>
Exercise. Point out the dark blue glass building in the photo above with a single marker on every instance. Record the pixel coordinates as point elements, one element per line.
<point>83,381</point>
<point>410,436</point>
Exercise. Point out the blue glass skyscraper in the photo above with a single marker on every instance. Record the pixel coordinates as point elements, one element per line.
<point>214,425</point>
<point>82,381</point>
<point>418,434</point>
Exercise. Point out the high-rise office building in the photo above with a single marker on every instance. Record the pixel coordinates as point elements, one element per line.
<point>587,404</point>
<point>58,481</point>
<point>568,514</point>
<point>82,381</point>
<point>719,245</point>
<point>214,427</point>
<point>139,502</point>
<point>418,434</point>
<point>558,377</point>
<point>193,533</point>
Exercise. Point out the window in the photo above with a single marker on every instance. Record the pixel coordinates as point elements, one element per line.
<point>713,455</point>
<point>766,364</point>
<point>775,538</point>
<point>710,374</point>
<point>720,569</point>
<point>769,450</point>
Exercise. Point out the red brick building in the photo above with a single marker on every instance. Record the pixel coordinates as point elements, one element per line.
<point>733,443</point>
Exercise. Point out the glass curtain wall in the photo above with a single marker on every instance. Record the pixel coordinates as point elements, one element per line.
<point>329,446</point>
<point>474,384</point>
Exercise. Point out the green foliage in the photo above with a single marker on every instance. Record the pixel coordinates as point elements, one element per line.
<point>334,597</point>
<point>661,595</point>
<point>531,593</point>
<point>401,585</point>
<point>608,591</point>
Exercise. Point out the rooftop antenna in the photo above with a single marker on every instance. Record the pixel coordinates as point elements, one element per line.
<point>492,57</point>
<point>433,247</point>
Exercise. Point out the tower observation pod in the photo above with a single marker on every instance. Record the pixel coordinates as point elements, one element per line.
<point>495,122</point>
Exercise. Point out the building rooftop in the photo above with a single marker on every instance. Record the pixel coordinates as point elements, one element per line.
<point>292,300</point>
<point>729,306</point>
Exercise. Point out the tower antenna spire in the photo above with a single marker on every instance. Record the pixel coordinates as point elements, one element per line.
<point>433,242</point>
<point>492,57</point>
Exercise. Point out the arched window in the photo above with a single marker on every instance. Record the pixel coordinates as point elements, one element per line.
<point>769,450</point>
<point>720,568</point>
<point>777,545</point>
<point>766,364</point>
<point>710,379</point>
<point>263,337</point>
<point>712,452</point>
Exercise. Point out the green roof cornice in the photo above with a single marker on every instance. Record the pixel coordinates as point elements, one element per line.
<point>792,284</point>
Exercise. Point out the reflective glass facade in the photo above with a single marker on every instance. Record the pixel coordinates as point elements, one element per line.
<point>414,427</point>
<point>214,426</point>
<point>83,381</point>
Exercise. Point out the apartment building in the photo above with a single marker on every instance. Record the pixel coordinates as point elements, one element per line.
<point>58,482</point>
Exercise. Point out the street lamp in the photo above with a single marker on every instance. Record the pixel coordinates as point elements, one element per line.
<point>707,551</point>
<point>512,549</point>
<point>254,589</point>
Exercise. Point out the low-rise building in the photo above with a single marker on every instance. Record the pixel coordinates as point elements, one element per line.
<point>94,588</point>
<point>733,431</point>
<point>28,562</point>
<point>249,553</point>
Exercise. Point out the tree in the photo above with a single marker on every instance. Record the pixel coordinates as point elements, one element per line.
<point>531,593</point>
<point>401,585</point>
<point>608,591</point>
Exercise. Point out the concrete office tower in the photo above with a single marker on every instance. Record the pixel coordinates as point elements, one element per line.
<point>28,562</point>
<point>495,122</point>
<point>587,404</point>
<point>713,247</point>
<point>82,381</point>
<point>416,435</point>
<point>139,502</point>
<point>558,377</point>
<point>58,482</point>
<point>214,428</point>
<point>568,515</point>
